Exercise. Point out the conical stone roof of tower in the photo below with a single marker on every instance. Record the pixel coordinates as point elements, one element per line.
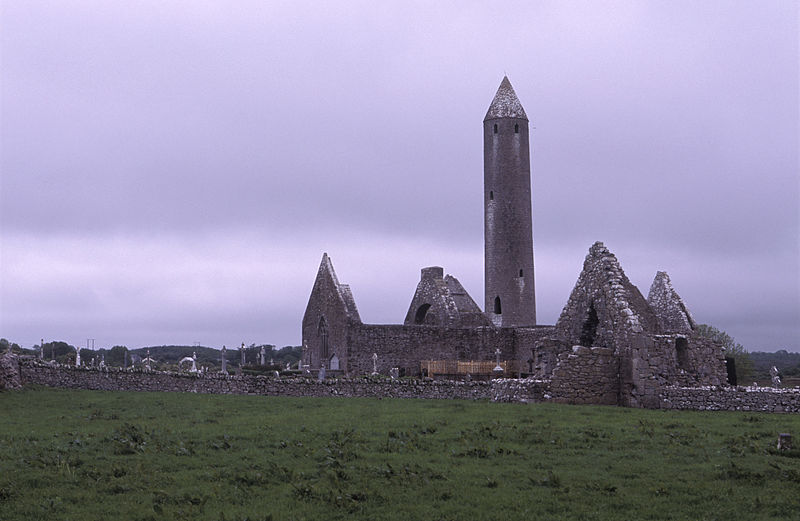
<point>505,103</point>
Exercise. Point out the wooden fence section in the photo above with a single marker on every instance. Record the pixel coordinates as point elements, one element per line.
<point>464,367</point>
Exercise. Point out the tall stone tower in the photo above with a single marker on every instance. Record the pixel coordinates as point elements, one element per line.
<point>508,225</point>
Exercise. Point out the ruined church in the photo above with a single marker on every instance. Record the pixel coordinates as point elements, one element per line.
<point>609,342</point>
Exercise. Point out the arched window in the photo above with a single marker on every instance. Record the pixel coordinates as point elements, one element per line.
<point>322,332</point>
<point>516,128</point>
<point>589,329</point>
<point>498,309</point>
<point>419,318</point>
<point>491,195</point>
<point>495,128</point>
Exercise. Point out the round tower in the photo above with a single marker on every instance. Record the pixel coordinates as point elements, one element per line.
<point>508,225</point>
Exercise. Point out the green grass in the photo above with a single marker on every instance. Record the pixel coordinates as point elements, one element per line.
<point>88,455</point>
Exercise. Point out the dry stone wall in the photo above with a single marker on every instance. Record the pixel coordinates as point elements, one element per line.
<point>500,390</point>
<point>711,398</point>
<point>9,372</point>
<point>121,380</point>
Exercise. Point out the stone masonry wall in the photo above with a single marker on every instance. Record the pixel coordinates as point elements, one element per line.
<point>586,375</point>
<point>404,346</point>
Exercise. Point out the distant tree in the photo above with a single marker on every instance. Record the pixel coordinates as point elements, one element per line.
<point>733,349</point>
<point>116,356</point>
<point>62,352</point>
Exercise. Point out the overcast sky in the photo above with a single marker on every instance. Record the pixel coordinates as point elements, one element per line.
<point>173,171</point>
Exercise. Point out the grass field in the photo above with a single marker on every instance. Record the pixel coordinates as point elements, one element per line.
<point>88,455</point>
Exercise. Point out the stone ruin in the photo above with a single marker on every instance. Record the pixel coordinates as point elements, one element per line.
<point>609,345</point>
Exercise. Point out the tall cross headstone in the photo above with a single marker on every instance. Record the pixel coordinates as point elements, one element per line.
<point>497,369</point>
<point>224,360</point>
<point>147,361</point>
<point>77,357</point>
<point>241,350</point>
<point>263,356</point>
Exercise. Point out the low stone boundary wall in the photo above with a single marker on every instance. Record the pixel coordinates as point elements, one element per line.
<point>113,379</point>
<point>520,390</point>
<point>762,399</point>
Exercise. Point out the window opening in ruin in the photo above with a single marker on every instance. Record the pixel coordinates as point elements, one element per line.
<point>520,272</point>
<point>491,195</point>
<point>498,310</point>
<point>419,318</point>
<point>682,353</point>
<point>495,128</point>
<point>589,330</point>
<point>322,331</point>
<point>516,128</point>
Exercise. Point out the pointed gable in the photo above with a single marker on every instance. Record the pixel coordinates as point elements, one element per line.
<point>604,305</point>
<point>673,315</point>
<point>328,293</point>
<point>505,104</point>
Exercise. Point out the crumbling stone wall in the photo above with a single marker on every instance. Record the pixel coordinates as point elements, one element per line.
<point>657,361</point>
<point>673,315</point>
<point>604,309</point>
<point>586,375</point>
<point>9,371</point>
<point>441,300</point>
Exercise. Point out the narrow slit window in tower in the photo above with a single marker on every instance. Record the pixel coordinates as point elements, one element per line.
<point>495,128</point>
<point>516,128</point>
<point>491,195</point>
<point>520,272</point>
<point>498,310</point>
